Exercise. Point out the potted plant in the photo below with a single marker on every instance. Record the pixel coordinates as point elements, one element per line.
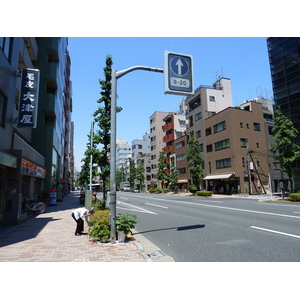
<point>124,224</point>
<point>104,233</point>
<point>94,232</point>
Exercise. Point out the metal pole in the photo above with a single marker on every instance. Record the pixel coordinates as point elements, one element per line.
<point>113,209</point>
<point>91,157</point>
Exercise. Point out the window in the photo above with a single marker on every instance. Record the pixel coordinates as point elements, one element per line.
<point>241,125</point>
<point>243,162</point>
<point>3,101</point>
<point>201,148</point>
<point>256,126</point>
<point>276,165</point>
<point>180,157</point>
<point>179,145</point>
<point>257,145</point>
<point>5,45</point>
<point>222,145</point>
<point>181,170</point>
<point>223,163</point>
<point>209,148</point>
<point>243,143</point>
<point>198,133</point>
<point>212,98</point>
<point>219,127</point>
<point>208,131</point>
<point>198,116</point>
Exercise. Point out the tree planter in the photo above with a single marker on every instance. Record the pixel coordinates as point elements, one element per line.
<point>121,236</point>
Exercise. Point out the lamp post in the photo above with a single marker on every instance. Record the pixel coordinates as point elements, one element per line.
<point>114,76</point>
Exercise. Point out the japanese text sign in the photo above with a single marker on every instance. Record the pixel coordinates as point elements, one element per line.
<point>28,104</point>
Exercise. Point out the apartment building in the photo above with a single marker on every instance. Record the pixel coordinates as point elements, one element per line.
<point>156,142</point>
<point>123,156</point>
<point>140,146</point>
<point>236,156</point>
<point>206,102</point>
<point>33,109</point>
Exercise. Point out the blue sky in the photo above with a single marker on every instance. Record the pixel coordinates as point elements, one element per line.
<point>140,93</point>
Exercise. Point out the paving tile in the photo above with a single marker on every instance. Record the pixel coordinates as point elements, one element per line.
<point>49,237</point>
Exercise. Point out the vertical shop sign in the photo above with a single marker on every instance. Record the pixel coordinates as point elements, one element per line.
<point>28,105</point>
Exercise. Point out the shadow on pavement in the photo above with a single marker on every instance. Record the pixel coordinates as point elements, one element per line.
<point>190,227</point>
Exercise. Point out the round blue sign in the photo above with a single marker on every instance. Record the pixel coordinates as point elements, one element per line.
<point>179,65</point>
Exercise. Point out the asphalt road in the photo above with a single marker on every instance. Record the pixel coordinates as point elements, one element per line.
<point>195,229</point>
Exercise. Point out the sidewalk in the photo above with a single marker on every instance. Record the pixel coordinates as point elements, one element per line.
<point>49,237</point>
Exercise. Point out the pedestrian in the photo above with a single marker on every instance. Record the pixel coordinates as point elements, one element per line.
<point>78,214</point>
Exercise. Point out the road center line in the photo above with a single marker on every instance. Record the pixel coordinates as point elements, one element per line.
<point>156,205</point>
<point>279,232</point>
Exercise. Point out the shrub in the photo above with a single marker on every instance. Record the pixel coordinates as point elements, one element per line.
<point>204,193</point>
<point>193,189</point>
<point>152,190</point>
<point>158,190</point>
<point>125,222</point>
<point>100,217</point>
<point>295,197</point>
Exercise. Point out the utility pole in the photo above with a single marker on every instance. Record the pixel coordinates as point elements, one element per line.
<point>113,193</point>
<point>249,171</point>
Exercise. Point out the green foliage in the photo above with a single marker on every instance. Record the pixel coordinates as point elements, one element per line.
<point>195,161</point>
<point>295,197</point>
<point>158,190</point>
<point>100,217</point>
<point>132,173</point>
<point>125,222</point>
<point>140,175</point>
<point>99,205</point>
<point>162,168</point>
<point>204,193</point>
<point>285,150</point>
<point>193,189</point>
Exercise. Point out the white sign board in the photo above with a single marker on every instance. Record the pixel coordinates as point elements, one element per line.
<point>178,73</point>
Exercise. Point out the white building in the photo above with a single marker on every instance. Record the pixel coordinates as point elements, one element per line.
<point>123,154</point>
<point>140,146</point>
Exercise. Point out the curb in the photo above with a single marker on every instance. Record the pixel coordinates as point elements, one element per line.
<point>149,251</point>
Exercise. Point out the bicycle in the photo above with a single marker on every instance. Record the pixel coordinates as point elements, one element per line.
<point>34,206</point>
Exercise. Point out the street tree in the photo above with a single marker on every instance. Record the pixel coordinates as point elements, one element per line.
<point>285,150</point>
<point>173,177</point>
<point>140,174</point>
<point>101,138</point>
<point>132,173</point>
<point>163,166</point>
<point>195,161</point>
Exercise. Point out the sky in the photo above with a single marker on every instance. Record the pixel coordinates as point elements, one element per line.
<point>140,93</point>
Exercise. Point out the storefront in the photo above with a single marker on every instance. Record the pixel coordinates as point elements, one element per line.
<point>225,183</point>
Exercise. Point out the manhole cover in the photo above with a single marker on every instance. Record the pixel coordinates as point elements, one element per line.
<point>155,254</point>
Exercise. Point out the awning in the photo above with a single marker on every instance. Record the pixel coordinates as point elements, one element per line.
<point>220,176</point>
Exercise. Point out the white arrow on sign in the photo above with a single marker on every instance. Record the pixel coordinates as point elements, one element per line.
<point>179,64</point>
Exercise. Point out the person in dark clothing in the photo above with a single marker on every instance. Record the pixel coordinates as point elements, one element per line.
<point>77,215</point>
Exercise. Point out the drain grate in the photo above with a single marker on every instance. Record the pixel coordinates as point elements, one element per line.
<point>155,254</point>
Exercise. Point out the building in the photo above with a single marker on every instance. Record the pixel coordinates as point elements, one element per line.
<point>181,163</point>
<point>51,137</point>
<point>140,146</point>
<point>156,142</point>
<point>284,57</point>
<point>27,129</point>
<point>206,102</point>
<point>144,158</point>
<point>123,156</point>
<point>236,156</point>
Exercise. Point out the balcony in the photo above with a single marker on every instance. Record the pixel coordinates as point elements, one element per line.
<point>167,126</point>
<point>169,149</point>
<point>168,137</point>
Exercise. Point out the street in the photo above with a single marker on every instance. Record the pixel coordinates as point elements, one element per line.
<point>229,229</point>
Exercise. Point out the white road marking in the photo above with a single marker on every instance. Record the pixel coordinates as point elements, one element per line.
<point>156,205</point>
<point>279,232</point>
<point>135,208</point>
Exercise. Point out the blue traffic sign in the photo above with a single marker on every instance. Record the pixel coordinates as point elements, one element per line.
<point>179,66</point>
<point>178,74</point>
